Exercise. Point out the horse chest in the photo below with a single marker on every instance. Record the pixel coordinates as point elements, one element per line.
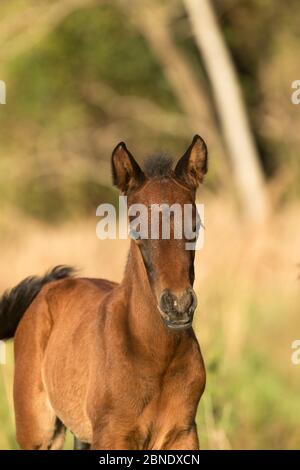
<point>163,408</point>
<point>160,421</point>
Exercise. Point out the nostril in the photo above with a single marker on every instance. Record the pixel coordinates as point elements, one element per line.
<point>180,304</point>
<point>168,301</point>
<point>187,302</point>
<point>193,303</point>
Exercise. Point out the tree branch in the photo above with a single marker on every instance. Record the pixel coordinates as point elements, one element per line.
<point>21,31</point>
<point>135,108</point>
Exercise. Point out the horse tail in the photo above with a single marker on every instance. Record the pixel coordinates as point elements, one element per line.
<point>15,302</point>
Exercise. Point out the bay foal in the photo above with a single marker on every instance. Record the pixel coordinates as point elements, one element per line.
<point>117,364</point>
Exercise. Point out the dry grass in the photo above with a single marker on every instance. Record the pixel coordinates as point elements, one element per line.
<point>248,316</point>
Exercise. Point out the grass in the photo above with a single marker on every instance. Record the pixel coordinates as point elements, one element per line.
<point>248,316</point>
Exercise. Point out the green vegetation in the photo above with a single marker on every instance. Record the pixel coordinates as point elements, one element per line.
<point>55,135</point>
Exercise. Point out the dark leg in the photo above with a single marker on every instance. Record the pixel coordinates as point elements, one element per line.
<point>79,445</point>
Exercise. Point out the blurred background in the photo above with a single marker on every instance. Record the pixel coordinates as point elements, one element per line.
<point>80,76</point>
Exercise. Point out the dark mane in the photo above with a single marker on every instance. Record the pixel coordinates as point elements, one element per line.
<point>158,166</point>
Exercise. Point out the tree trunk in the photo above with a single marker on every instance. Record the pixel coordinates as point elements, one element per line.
<point>231,109</point>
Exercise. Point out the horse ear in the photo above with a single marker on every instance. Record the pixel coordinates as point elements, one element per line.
<point>127,174</point>
<point>192,167</point>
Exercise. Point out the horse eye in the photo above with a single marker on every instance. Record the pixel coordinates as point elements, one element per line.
<point>199,225</point>
<point>194,233</point>
<point>193,236</point>
<point>134,234</point>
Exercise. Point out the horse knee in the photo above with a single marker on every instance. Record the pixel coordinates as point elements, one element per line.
<point>33,436</point>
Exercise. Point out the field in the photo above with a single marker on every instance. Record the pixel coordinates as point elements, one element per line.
<point>247,282</point>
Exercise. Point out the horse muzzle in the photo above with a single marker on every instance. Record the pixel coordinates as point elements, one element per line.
<point>177,311</point>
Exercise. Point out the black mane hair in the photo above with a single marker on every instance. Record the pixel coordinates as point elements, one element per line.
<point>158,166</point>
<point>14,303</point>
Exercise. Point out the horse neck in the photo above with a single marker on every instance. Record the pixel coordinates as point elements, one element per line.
<point>144,321</point>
